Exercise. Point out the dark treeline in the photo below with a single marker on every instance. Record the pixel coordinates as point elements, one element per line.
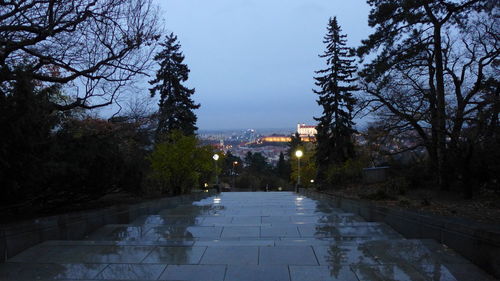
<point>254,172</point>
<point>48,156</point>
<point>61,59</point>
<point>58,60</point>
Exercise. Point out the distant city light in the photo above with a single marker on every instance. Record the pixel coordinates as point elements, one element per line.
<point>268,142</point>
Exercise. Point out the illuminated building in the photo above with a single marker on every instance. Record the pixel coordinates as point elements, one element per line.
<point>306,130</point>
<point>307,134</point>
<point>276,139</point>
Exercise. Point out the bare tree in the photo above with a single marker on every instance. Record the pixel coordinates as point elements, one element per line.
<point>96,46</point>
<point>430,67</point>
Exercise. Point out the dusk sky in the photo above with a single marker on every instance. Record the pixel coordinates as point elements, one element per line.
<point>252,61</point>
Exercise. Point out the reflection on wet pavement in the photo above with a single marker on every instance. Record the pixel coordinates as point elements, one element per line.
<point>243,236</point>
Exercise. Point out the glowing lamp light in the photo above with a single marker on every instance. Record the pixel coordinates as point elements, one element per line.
<point>299,153</point>
<point>216,157</point>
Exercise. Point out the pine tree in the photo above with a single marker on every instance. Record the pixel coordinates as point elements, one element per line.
<point>336,84</point>
<point>176,105</point>
<point>294,144</point>
<point>283,167</point>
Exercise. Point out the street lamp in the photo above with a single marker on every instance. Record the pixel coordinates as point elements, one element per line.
<point>299,154</point>
<point>216,157</point>
<point>234,173</point>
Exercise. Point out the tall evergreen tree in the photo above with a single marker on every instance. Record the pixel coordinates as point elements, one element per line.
<point>295,143</point>
<point>176,105</point>
<point>283,167</point>
<point>336,84</point>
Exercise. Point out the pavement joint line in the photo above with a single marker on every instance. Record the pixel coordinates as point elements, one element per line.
<point>289,272</point>
<point>222,231</point>
<point>258,255</point>
<point>104,268</point>
<point>163,271</point>
<point>315,255</point>
<point>150,252</point>
<point>354,272</point>
<point>202,255</point>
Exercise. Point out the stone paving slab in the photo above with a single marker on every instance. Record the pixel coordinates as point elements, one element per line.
<point>345,255</point>
<point>131,272</point>
<point>240,231</point>
<point>120,233</point>
<point>257,273</point>
<point>175,255</point>
<point>241,255</point>
<point>391,272</point>
<point>233,242</point>
<point>244,236</point>
<point>194,272</point>
<point>247,220</point>
<point>280,231</point>
<point>50,271</point>
<point>322,273</point>
<point>287,255</point>
<point>165,233</point>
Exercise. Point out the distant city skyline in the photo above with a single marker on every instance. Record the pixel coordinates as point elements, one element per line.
<point>252,62</point>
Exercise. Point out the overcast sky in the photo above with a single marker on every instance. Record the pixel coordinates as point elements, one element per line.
<point>252,61</point>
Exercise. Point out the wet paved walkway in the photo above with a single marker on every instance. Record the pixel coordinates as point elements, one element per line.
<point>244,236</point>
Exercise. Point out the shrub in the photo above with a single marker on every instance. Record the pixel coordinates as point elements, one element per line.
<point>396,186</point>
<point>379,195</point>
<point>347,172</point>
<point>178,164</point>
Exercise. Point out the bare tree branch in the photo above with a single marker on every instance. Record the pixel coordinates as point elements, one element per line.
<point>108,42</point>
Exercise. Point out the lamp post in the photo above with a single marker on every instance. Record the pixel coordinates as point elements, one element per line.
<point>234,173</point>
<point>299,154</point>
<point>216,157</point>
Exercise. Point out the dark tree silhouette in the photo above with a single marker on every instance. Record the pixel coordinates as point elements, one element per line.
<point>336,84</point>
<point>100,45</point>
<point>426,76</point>
<point>176,105</point>
<point>295,143</point>
<point>256,162</point>
<point>283,167</point>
